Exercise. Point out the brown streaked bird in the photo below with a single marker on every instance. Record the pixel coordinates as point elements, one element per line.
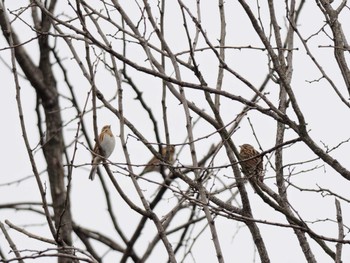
<point>251,167</point>
<point>107,143</point>
<point>154,164</point>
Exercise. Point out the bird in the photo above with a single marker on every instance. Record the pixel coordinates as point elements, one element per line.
<point>251,167</point>
<point>106,141</point>
<point>154,164</point>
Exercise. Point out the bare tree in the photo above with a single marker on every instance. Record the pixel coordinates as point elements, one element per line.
<point>202,78</point>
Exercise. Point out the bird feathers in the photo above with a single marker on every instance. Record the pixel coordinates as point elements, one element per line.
<point>251,167</point>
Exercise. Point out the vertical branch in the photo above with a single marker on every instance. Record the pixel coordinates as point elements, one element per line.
<point>340,42</point>
<point>283,104</point>
<point>221,52</point>
<point>164,89</point>
<point>91,75</point>
<point>339,245</point>
<point>53,148</point>
<point>194,43</point>
<point>184,104</point>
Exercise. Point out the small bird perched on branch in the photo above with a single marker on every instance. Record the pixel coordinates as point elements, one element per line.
<point>106,141</point>
<point>154,164</point>
<point>251,167</point>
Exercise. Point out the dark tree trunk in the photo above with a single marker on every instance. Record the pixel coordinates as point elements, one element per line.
<point>43,81</point>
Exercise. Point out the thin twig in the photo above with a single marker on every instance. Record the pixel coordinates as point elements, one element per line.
<point>11,243</point>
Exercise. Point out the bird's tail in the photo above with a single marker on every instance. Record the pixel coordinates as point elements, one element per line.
<point>93,172</point>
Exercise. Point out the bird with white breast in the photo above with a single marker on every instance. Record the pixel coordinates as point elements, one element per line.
<point>106,142</point>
